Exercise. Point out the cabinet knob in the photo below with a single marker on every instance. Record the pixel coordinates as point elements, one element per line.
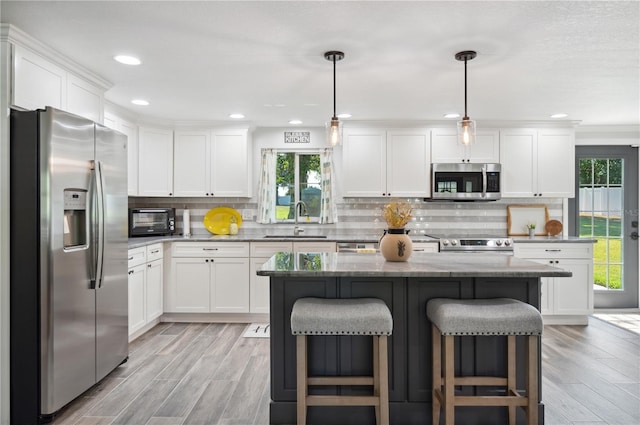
<point>206,261</point>
<point>170,194</point>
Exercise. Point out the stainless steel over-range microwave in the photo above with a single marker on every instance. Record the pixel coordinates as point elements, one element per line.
<point>465,182</point>
<point>152,221</point>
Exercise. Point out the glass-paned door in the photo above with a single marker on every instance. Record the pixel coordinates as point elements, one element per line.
<point>606,209</point>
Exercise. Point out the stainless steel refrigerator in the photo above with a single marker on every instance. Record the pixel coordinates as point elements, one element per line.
<point>68,254</point>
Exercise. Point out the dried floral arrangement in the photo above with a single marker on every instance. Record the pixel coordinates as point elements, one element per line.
<point>397,214</point>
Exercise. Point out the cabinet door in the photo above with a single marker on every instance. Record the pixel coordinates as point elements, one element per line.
<point>409,163</point>
<point>136,286</point>
<point>259,287</point>
<point>546,289</point>
<point>517,149</point>
<point>486,149</point>
<point>364,163</point>
<point>155,173</point>
<point>189,286</point>
<point>191,168</point>
<point>37,82</point>
<point>229,285</point>
<point>153,290</point>
<point>446,149</point>
<point>574,295</point>
<point>131,131</point>
<point>230,163</point>
<point>84,99</point>
<point>556,163</point>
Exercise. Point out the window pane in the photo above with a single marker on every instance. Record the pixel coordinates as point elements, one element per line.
<point>285,186</point>
<point>309,179</point>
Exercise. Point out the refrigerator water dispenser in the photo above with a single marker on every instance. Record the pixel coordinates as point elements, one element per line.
<point>75,219</point>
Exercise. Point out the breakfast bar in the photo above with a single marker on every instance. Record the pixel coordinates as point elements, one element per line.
<point>405,287</point>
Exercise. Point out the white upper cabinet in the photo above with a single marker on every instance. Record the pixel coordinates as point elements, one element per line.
<point>155,154</point>
<point>131,131</point>
<point>212,163</point>
<point>230,158</point>
<point>191,163</point>
<point>38,83</point>
<point>84,99</point>
<point>446,149</point>
<point>378,163</point>
<point>538,163</point>
<point>408,163</point>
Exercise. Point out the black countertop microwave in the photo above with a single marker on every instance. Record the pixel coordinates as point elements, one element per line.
<point>465,182</point>
<point>151,221</point>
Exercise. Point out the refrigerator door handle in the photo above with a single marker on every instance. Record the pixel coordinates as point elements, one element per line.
<point>98,226</point>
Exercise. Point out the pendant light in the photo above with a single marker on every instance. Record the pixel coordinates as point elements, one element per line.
<point>466,127</point>
<point>334,127</point>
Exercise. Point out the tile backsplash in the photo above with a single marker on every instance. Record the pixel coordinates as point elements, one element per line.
<point>430,217</point>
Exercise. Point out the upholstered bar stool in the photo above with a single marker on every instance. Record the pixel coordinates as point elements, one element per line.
<point>483,317</point>
<point>355,316</point>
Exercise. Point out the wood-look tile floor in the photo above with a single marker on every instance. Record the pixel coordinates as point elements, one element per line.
<point>192,373</point>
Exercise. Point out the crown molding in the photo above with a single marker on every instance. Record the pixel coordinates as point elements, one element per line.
<point>16,36</point>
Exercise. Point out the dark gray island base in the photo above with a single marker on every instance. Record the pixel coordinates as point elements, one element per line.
<point>406,288</point>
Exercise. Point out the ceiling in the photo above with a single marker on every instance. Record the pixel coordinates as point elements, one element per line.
<point>203,60</point>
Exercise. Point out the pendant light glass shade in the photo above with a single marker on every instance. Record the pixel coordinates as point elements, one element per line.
<point>466,132</point>
<point>334,127</point>
<point>334,132</point>
<point>466,127</point>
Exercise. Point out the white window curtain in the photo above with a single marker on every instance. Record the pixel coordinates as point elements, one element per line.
<point>267,194</point>
<point>328,209</point>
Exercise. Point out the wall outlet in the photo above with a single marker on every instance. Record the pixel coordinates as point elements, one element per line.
<point>247,214</point>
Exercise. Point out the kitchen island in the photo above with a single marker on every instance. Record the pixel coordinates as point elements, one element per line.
<point>406,288</point>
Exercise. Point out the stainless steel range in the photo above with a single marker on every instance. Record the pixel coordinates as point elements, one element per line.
<point>475,244</point>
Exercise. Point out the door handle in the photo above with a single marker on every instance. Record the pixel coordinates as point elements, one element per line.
<point>634,236</point>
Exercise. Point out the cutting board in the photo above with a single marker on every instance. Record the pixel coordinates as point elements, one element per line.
<point>518,216</point>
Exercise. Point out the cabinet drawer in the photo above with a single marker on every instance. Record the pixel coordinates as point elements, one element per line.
<point>554,250</point>
<point>137,256</point>
<point>425,247</point>
<point>210,249</point>
<point>267,249</point>
<point>154,252</point>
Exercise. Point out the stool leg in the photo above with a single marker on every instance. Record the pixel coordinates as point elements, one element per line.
<point>384,380</point>
<point>511,374</point>
<point>376,374</point>
<point>449,376</point>
<point>532,380</point>
<point>301,378</point>
<point>436,372</point>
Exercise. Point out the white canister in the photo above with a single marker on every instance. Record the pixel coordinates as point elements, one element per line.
<point>186,222</point>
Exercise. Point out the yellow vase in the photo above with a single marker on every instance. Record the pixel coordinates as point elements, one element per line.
<point>396,245</point>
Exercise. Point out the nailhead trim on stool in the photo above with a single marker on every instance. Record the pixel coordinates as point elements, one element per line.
<point>355,316</point>
<point>483,317</point>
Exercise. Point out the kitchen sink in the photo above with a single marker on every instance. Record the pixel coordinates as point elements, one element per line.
<point>295,237</point>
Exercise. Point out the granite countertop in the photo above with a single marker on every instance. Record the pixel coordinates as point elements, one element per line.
<point>553,239</point>
<point>285,235</point>
<point>314,235</point>
<point>286,264</point>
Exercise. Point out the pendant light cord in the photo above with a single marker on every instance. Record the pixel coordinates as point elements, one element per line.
<point>466,117</point>
<point>334,86</point>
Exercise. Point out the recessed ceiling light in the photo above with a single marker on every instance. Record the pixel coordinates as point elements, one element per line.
<point>344,115</point>
<point>561,115</point>
<point>452,115</point>
<point>140,102</point>
<point>127,60</point>
<point>279,105</point>
<point>236,116</point>
<point>295,122</point>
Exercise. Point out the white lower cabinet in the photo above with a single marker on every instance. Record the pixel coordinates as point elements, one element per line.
<point>564,300</point>
<point>208,277</point>
<point>145,286</point>
<point>260,254</point>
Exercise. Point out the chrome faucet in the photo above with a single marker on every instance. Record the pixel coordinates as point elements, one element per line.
<point>300,208</point>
